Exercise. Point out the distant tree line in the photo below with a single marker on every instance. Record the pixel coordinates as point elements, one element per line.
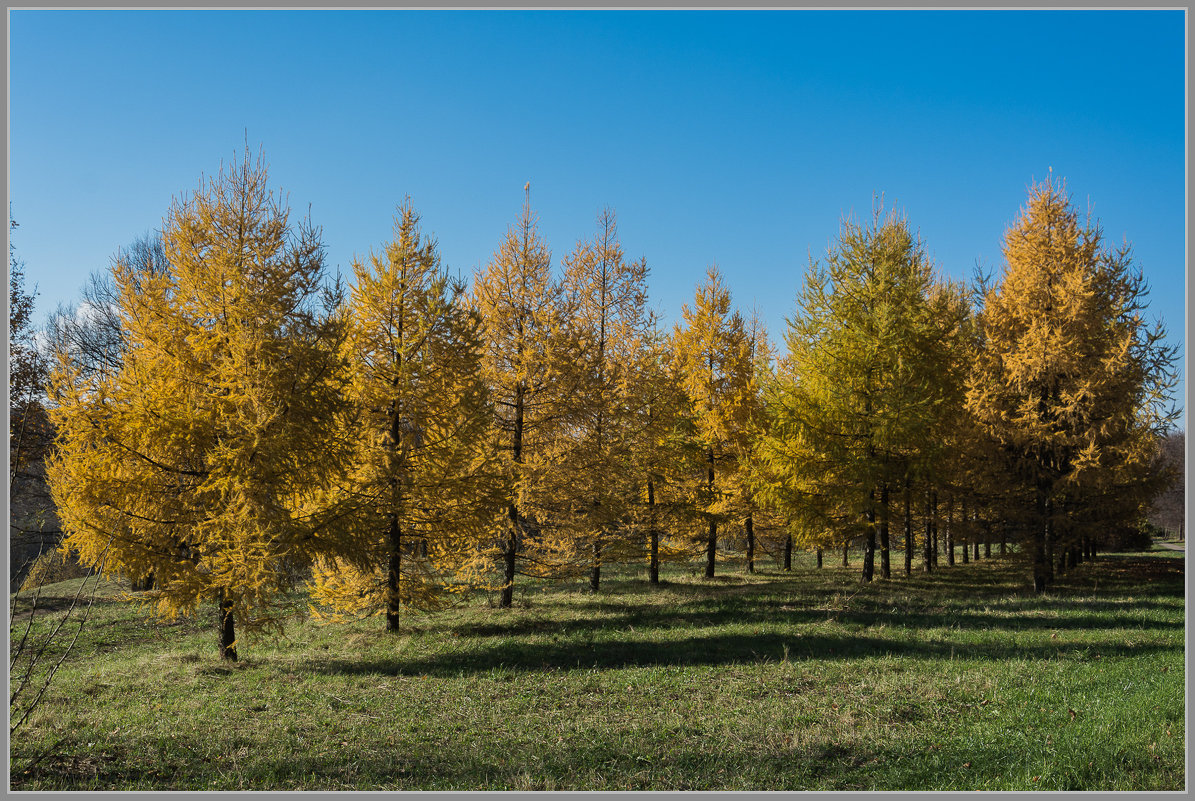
<point>227,419</point>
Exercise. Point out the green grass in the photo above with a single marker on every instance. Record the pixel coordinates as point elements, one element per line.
<point>963,680</point>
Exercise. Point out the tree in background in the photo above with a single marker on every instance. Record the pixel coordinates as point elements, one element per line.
<point>420,498</point>
<point>1071,382</point>
<point>90,333</point>
<point>590,485</point>
<point>666,457</point>
<point>198,459</point>
<point>29,430</point>
<point>714,360</point>
<point>1169,508</point>
<point>762,356</point>
<point>861,388</point>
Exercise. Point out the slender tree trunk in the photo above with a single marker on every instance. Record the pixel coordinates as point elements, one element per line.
<point>964,531</point>
<point>1003,537</point>
<point>987,540</point>
<point>711,547</point>
<point>950,530</point>
<point>512,512</point>
<point>1040,563</point>
<point>928,549</point>
<point>937,544</point>
<point>228,637</point>
<point>393,574</point>
<point>788,553</point>
<point>1049,536</point>
<point>750,526</point>
<point>508,558</point>
<point>975,532</point>
<point>653,533</point>
<point>595,574</point>
<point>869,542</point>
<point>819,557</point>
<point>909,544</point>
<point>846,552</point>
<point>885,546</point>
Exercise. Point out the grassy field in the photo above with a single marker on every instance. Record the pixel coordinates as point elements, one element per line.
<point>963,680</point>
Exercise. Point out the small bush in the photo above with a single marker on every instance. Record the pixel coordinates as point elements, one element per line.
<point>51,567</point>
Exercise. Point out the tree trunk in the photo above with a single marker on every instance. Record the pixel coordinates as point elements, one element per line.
<point>653,533</point>
<point>885,546</point>
<point>846,551</point>
<point>1003,537</point>
<point>508,559</point>
<point>987,540</point>
<point>934,551</point>
<point>819,557</point>
<point>1049,534</point>
<point>928,549</point>
<point>1040,564</point>
<point>228,638</point>
<point>393,575</point>
<point>595,574</point>
<point>950,530</point>
<point>750,544</point>
<point>711,547</point>
<point>965,531</point>
<point>512,512</point>
<point>975,534</point>
<point>788,553</point>
<point>909,544</point>
<point>869,543</point>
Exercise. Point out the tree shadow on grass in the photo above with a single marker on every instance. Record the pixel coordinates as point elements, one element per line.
<point>713,650</point>
<point>618,633</point>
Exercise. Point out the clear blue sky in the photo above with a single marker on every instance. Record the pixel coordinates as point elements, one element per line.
<point>735,138</point>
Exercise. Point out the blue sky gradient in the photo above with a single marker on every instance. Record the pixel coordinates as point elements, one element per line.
<point>735,138</point>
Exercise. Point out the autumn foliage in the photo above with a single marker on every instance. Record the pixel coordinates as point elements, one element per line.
<point>261,428</point>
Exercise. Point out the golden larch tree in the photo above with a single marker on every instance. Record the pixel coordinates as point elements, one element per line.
<point>1071,381</point>
<point>591,486</point>
<point>421,496</point>
<point>526,364</point>
<point>198,459</point>
<point>713,355</point>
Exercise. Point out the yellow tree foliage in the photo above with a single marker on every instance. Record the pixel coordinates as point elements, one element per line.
<point>763,361</point>
<point>1071,382</point>
<point>198,459</point>
<point>666,458</point>
<point>528,352</point>
<point>420,498</point>
<point>714,360</point>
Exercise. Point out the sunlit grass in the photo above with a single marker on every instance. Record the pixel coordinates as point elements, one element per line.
<point>959,680</point>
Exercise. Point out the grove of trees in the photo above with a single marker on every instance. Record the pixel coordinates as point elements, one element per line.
<point>235,422</point>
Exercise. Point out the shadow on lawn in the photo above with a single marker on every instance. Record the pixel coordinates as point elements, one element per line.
<point>621,635</point>
<point>716,649</point>
<point>937,601</point>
